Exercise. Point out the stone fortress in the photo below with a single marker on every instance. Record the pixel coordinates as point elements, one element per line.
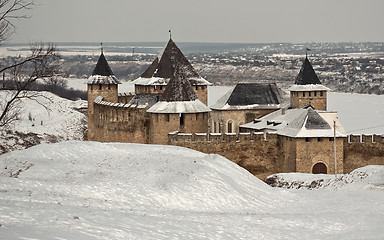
<point>253,125</point>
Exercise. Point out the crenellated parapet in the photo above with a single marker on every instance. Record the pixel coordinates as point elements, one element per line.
<point>177,138</point>
<point>364,138</point>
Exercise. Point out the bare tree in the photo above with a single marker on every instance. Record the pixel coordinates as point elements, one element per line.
<point>41,63</point>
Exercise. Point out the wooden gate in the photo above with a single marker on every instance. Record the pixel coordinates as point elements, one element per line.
<point>319,168</point>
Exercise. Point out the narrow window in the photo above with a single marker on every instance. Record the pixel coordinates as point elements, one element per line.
<point>161,87</point>
<point>331,139</point>
<point>167,117</point>
<point>181,118</point>
<point>319,139</point>
<point>303,94</point>
<point>197,87</point>
<point>99,86</point>
<point>307,139</point>
<point>315,93</point>
<point>321,93</point>
<point>214,126</point>
<point>309,93</point>
<point>230,126</point>
<point>109,86</point>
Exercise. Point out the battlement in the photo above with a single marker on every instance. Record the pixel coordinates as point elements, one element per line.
<point>125,97</point>
<point>175,138</point>
<point>99,101</point>
<point>365,138</point>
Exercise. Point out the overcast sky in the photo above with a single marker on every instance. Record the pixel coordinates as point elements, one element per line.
<point>245,21</point>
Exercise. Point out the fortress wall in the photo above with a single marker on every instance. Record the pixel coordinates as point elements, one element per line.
<point>118,122</point>
<point>363,150</point>
<point>125,97</point>
<point>256,152</point>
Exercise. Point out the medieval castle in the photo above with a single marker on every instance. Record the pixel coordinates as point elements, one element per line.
<point>252,125</point>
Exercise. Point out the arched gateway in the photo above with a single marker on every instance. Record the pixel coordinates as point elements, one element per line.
<point>319,168</point>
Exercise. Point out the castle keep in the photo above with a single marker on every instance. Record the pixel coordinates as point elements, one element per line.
<point>167,98</point>
<point>251,125</point>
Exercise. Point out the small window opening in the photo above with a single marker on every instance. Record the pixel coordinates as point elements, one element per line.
<point>307,139</point>
<point>181,118</point>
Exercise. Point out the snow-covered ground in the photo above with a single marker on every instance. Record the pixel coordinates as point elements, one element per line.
<point>90,190</point>
<point>45,118</point>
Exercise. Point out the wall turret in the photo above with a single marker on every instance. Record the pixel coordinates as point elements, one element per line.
<point>308,90</point>
<point>102,83</point>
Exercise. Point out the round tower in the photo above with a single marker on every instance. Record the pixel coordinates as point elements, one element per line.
<point>308,90</point>
<point>102,83</point>
<point>179,109</point>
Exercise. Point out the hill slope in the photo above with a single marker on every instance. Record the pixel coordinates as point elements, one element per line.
<point>90,190</point>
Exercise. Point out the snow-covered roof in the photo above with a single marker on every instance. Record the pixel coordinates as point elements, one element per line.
<point>298,123</point>
<point>164,81</point>
<point>100,100</point>
<point>143,99</point>
<point>195,106</point>
<point>251,96</point>
<point>102,74</point>
<point>308,87</point>
<point>161,69</point>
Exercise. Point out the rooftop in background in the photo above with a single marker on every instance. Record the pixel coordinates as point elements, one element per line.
<point>299,122</point>
<point>251,96</point>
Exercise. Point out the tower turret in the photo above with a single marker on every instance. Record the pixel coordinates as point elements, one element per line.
<point>103,83</point>
<point>179,109</point>
<point>308,89</point>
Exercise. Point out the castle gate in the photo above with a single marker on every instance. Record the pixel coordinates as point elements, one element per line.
<point>319,168</point>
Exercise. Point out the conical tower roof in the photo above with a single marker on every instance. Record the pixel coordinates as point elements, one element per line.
<point>307,75</point>
<point>179,96</point>
<point>178,89</point>
<point>162,65</point>
<point>160,71</point>
<point>102,74</point>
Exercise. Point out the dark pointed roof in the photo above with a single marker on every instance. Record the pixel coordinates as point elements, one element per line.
<point>179,88</point>
<point>161,66</point>
<point>307,75</point>
<point>102,67</point>
<point>251,95</point>
<point>179,96</point>
<point>102,74</point>
<point>315,121</point>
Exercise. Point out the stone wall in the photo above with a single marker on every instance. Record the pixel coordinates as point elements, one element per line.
<point>265,154</point>
<point>162,124</point>
<point>220,118</point>
<point>310,151</point>
<point>317,99</point>
<point>118,122</point>
<point>256,152</point>
<point>200,90</point>
<point>362,150</point>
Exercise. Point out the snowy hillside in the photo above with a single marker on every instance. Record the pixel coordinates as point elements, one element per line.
<point>46,118</point>
<point>90,190</point>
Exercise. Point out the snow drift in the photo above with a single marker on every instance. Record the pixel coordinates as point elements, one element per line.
<point>90,190</point>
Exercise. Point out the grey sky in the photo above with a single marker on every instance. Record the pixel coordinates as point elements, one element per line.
<point>250,21</point>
